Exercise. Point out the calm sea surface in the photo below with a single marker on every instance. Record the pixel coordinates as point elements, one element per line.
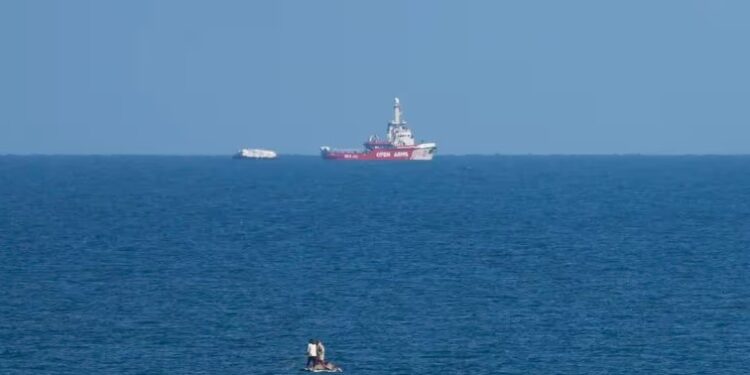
<point>464,265</point>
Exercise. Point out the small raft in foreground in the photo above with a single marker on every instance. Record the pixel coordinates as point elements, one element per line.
<point>319,368</point>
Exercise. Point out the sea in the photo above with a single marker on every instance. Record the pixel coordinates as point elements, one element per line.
<point>464,265</point>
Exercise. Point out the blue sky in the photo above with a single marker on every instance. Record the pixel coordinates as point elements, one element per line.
<point>509,77</point>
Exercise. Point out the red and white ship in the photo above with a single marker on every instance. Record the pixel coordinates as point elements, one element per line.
<point>399,144</point>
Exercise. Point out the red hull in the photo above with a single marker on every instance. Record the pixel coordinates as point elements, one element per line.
<point>394,154</point>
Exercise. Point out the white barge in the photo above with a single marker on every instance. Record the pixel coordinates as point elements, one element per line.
<point>255,153</point>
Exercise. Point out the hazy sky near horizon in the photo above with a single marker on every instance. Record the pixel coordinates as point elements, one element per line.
<point>510,77</point>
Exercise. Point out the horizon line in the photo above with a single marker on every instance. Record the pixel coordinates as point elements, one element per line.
<point>437,156</point>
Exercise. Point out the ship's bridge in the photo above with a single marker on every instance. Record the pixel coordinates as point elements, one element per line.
<point>400,135</point>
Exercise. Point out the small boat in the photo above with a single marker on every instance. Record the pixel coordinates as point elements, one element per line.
<point>255,153</point>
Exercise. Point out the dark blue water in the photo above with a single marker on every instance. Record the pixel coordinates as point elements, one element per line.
<point>465,265</point>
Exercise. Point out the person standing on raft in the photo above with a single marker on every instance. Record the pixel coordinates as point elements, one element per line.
<point>312,353</point>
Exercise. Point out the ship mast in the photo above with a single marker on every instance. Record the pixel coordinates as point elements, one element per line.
<point>398,133</point>
<point>396,112</point>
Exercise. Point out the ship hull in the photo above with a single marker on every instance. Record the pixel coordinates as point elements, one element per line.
<point>405,153</point>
